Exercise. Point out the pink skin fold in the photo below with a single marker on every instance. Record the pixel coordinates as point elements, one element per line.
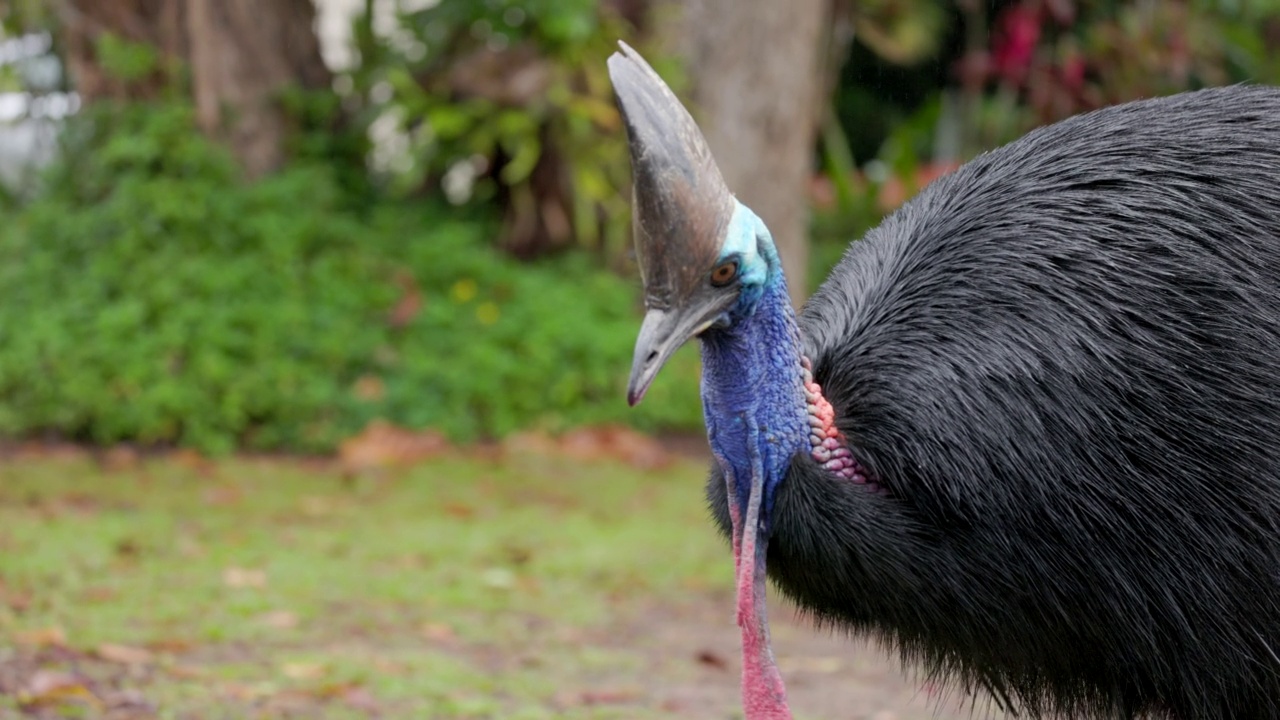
<point>764,696</point>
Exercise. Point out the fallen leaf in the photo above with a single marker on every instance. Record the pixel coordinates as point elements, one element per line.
<point>193,460</point>
<point>390,667</point>
<point>172,645</point>
<point>80,502</point>
<point>223,496</point>
<point>279,619</point>
<point>50,688</point>
<point>187,672</point>
<point>100,594</point>
<point>498,578</point>
<point>243,692</point>
<point>190,547</point>
<point>359,698</point>
<point>458,510</point>
<point>529,442</point>
<point>129,705</point>
<point>409,303</point>
<point>609,697</point>
<point>244,577</point>
<point>317,506</point>
<point>636,449</point>
<point>382,445</point>
<point>128,547</point>
<point>711,658</point>
<point>42,637</point>
<point>124,654</point>
<point>285,703</point>
<point>302,670</point>
<point>120,457</point>
<point>46,681</point>
<point>18,601</point>
<point>50,449</point>
<point>438,632</point>
<point>369,388</point>
<point>594,444</point>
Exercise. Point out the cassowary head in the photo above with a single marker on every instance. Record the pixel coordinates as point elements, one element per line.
<point>703,255</point>
<point>711,270</point>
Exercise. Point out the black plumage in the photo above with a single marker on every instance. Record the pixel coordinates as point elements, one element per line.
<point>1061,365</point>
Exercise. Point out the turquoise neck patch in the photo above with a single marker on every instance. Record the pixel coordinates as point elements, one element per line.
<point>749,240</point>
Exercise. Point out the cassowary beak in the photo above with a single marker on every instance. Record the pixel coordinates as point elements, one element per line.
<point>680,213</point>
<point>681,210</point>
<point>661,334</point>
<point>657,342</point>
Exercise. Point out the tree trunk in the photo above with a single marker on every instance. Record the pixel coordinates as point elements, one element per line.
<point>758,70</point>
<point>240,54</point>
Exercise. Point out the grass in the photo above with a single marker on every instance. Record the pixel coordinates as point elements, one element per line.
<point>470,587</point>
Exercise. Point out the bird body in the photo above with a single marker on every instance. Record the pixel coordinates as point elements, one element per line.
<point>1038,451</point>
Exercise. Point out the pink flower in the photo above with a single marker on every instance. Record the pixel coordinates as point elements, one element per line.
<point>1016,38</point>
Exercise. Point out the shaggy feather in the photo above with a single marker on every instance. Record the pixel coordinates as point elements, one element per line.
<point>1062,362</point>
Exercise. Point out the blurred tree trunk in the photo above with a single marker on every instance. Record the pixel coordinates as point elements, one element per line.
<point>239,55</point>
<point>759,80</point>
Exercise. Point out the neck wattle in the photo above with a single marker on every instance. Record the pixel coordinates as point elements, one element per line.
<point>762,407</point>
<point>827,444</point>
<point>753,393</point>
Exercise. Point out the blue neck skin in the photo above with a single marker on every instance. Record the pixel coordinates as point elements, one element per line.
<point>752,383</point>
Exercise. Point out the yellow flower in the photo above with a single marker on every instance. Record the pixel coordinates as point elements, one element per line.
<point>487,313</point>
<point>464,290</point>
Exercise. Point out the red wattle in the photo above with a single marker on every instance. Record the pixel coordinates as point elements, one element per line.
<point>764,697</point>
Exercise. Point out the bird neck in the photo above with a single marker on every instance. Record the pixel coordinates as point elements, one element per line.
<point>754,401</point>
<point>753,393</point>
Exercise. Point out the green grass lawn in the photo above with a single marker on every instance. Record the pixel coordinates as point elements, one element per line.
<point>464,588</point>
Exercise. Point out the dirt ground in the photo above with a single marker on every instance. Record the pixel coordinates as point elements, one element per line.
<point>661,661</point>
<point>460,590</point>
<point>691,668</point>
<point>666,662</point>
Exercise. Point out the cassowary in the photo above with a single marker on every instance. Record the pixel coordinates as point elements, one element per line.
<point>1027,433</point>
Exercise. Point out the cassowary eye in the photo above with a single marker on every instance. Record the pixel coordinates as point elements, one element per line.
<point>724,273</point>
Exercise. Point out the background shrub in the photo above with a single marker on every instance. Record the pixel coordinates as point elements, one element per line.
<point>152,296</point>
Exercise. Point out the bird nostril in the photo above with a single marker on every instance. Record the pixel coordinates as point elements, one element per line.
<point>653,355</point>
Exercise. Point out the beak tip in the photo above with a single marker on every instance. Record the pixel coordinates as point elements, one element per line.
<point>634,396</point>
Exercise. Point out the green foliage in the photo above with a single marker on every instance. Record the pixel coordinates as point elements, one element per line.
<point>20,16</point>
<point>499,344</point>
<point>903,32</point>
<point>150,295</point>
<point>324,132</point>
<point>127,61</point>
<point>1046,62</point>
<point>485,94</point>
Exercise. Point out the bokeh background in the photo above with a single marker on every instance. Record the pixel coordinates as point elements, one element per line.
<point>316,317</point>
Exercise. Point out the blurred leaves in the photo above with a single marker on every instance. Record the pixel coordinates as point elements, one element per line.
<point>126,61</point>
<point>19,16</point>
<point>904,32</point>
<point>508,103</point>
<point>153,296</point>
<point>1000,70</point>
<point>1049,59</point>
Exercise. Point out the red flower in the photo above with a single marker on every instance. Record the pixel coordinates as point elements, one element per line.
<point>1017,34</point>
